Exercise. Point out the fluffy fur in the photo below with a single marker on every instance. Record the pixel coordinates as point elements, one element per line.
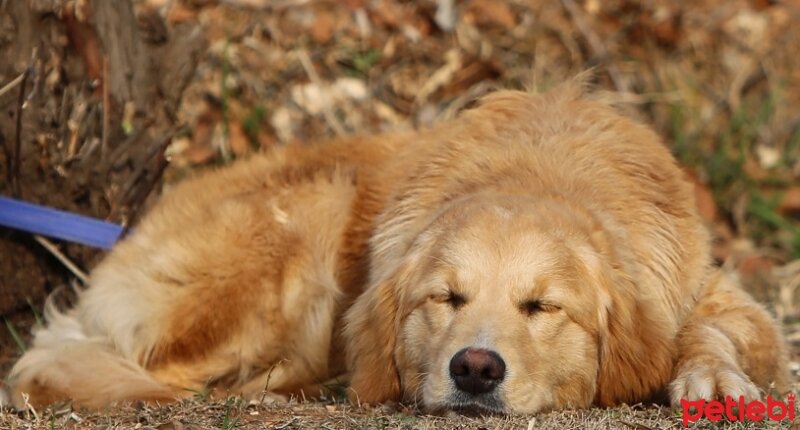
<point>546,228</point>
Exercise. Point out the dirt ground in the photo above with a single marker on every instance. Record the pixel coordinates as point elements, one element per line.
<point>103,105</point>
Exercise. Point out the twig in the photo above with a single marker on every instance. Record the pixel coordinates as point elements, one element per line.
<point>358,398</point>
<point>106,108</point>
<point>18,134</point>
<point>36,85</point>
<point>7,153</point>
<point>330,117</point>
<point>633,425</point>
<point>286,424</point>
<point>133,198</point>
<point>63,116</point>
<point>5,396</point>
<point>265,391</point>
<point>595,44</point>
<point>286,4</point>
<point>15,335</point>
<point>77,287</point>
<point>50,247</point>
<point>123,148</point>
<point>141,169</point>
<point>28,407</point>
<point>12,84</point>
<point>146,190</point>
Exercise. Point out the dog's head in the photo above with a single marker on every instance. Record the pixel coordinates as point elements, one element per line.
<point>507,299</point>
<point>499,306</point>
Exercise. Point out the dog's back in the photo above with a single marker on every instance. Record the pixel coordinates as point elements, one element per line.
<point>233,280</point>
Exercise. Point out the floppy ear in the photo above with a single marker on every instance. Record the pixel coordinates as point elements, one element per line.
<point>635,335</point>
<point>372,325</point>
<point>636,349</point>
<point>371,333</point>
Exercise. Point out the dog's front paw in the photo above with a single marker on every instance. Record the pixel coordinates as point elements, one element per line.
<point>267,398</point>
<point>711,381</point>
<point>5,396</point>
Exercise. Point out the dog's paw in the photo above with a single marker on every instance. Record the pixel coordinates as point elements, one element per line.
<point>268,398</point>
<point>711,381</point>
<point>5,397</point>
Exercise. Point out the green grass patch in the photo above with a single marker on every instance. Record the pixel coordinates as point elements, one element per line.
<point>15,335</point>
<point>725,164</point>
<point>359,63</point>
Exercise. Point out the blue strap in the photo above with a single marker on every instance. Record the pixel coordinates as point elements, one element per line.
<point>58,224</point>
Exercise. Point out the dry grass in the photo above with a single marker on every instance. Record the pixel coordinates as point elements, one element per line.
<point>234,414</point>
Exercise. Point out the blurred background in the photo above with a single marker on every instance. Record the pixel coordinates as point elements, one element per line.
<point>104,104</point>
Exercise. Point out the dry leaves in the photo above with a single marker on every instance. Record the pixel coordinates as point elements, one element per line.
<point>387,63</point>
<point>484,12</point>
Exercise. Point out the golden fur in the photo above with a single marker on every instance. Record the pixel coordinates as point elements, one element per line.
<point>545,228</point>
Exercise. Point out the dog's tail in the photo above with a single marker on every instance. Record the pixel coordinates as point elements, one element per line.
<point>65,363</point>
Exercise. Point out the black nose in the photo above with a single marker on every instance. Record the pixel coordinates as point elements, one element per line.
<point>477,371</point>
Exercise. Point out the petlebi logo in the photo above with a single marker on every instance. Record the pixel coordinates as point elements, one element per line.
<point>738,409</point>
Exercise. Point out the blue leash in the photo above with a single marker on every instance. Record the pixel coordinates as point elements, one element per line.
<point>58,224</point>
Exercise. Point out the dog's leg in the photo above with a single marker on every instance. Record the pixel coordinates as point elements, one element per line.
<point>285,375</point>
<point>66,363</point>
<point>209,291</point>
<point>729,346</point>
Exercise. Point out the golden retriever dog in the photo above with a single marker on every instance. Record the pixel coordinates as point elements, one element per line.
<point>538,252</point>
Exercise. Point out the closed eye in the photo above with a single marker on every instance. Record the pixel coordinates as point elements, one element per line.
<point>453,299</point>
<point>532,307</point>
<point>456,300</point>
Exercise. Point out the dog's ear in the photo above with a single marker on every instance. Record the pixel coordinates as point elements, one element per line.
<point>635,344</point>
<point>634,331</point>
<point>371,333</point>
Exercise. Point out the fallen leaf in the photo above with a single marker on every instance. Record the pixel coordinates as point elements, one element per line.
<point>350,88</point>
<point>354,4</point>
<point>662,25</point>
<point>721,248</point>
<point>790,202</point>
<point>768,156</point>
<point>180,13</point>
<point>761,4</point>
<point>388,14</point>
<point>754,264</point>
<point>704,200</point>
<point>592,7</point>
<point>312,97</point>
<point>315,98</point>
<point>237,139</point>
<point>265,139</point>
<point>441,77</point>
<point>199,154</point>
<point>257,4</point>
<point>84,39</point>
<point>492,12</point>
<point>283,121</point>
<point>445,16</point>
<point>471,73</point>
<point>171,425</point>
<point>323,28</point>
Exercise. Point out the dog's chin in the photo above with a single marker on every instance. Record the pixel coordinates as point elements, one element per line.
<point>472,407</point>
